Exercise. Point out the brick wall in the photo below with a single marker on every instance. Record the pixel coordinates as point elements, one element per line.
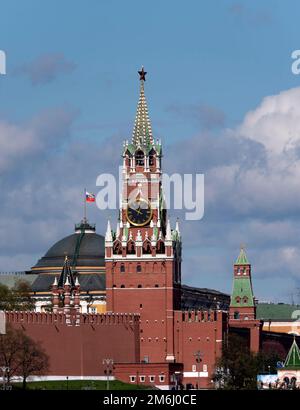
<point>78,349</point>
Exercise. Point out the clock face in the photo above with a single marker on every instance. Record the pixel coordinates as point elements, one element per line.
<point>139,212</point>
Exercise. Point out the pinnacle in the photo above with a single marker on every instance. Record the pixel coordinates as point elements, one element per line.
<point>142,132</point>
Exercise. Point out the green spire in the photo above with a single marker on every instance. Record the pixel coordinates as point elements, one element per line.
<point>242,292</point>
<point>292,360</point>
<point>242,258</point>
<point>142,132</point>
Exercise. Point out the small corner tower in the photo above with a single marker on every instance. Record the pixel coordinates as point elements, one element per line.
<point>289,374</point>
<point>242,309</point>
<point>242,303</point>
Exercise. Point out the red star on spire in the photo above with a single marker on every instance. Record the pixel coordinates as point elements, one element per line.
<point>142,74</point>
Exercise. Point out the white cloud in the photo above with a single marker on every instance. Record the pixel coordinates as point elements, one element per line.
<point>22,141</point>
<point>275,123</point>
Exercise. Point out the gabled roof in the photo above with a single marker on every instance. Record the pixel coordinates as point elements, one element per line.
<point>242,258</point>
<point>292,360</point>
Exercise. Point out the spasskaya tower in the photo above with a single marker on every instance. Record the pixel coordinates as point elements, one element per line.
<point>143,254</point>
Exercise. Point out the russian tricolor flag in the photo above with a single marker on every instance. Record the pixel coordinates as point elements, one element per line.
<point>89,197</point>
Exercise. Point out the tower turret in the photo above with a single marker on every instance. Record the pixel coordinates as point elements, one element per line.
<point>242,303</point>
<point>242,309</point>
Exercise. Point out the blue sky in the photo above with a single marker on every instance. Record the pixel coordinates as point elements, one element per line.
<point>69,99</point>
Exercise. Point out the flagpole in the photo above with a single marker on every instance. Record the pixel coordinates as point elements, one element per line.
<point>84,198</point>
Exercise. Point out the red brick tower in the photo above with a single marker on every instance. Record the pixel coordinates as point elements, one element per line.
<point>143,256</point>
<point>242,310</point>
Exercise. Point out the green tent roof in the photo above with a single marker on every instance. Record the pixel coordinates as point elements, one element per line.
<point>242,258</point>
<point>292,360</point>
<point>242,294</point>
<point>142,132</point>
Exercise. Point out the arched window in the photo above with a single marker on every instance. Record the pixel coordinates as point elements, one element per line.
<point>130,248</point>
<point>236,315</point>
<point>160,247</point>
<point>139,158</point>
<point>122,268</point>
<point>147,247</point>
<point>245,299</point>
<point>138,268</point>
<point>140,286</point>
<point>117,250</point>
<point>152,158</point>
<point>122,286</point>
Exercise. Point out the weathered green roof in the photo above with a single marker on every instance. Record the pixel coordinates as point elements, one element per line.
<point>277,311</point>
<point>292,360</point>
<point>242,288</point>
<point>242,258</point>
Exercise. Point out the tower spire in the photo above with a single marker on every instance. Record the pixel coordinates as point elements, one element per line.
<point>142,132</point>
<point>242,258</point>
<point>66,274</point>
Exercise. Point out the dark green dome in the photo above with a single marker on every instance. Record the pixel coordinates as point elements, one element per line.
<point>84,248</point>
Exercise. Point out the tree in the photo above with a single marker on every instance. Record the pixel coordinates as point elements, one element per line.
<point>32,359</point>
<point>22,355</point>
<point>271,353</point>
<point>10,344</point>
<point>238,367</point>
<point>17,298</point>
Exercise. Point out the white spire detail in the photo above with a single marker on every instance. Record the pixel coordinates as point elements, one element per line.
<point>55,281</point>
<point>177,227</point>
<point>77,281</point>
<point>139,236</point>
<point>168,233</point>
<point>108,235</point>
<point>67,283</point>
<point>118,230</point>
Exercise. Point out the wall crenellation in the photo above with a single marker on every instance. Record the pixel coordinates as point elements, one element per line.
<point>65,319</point>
